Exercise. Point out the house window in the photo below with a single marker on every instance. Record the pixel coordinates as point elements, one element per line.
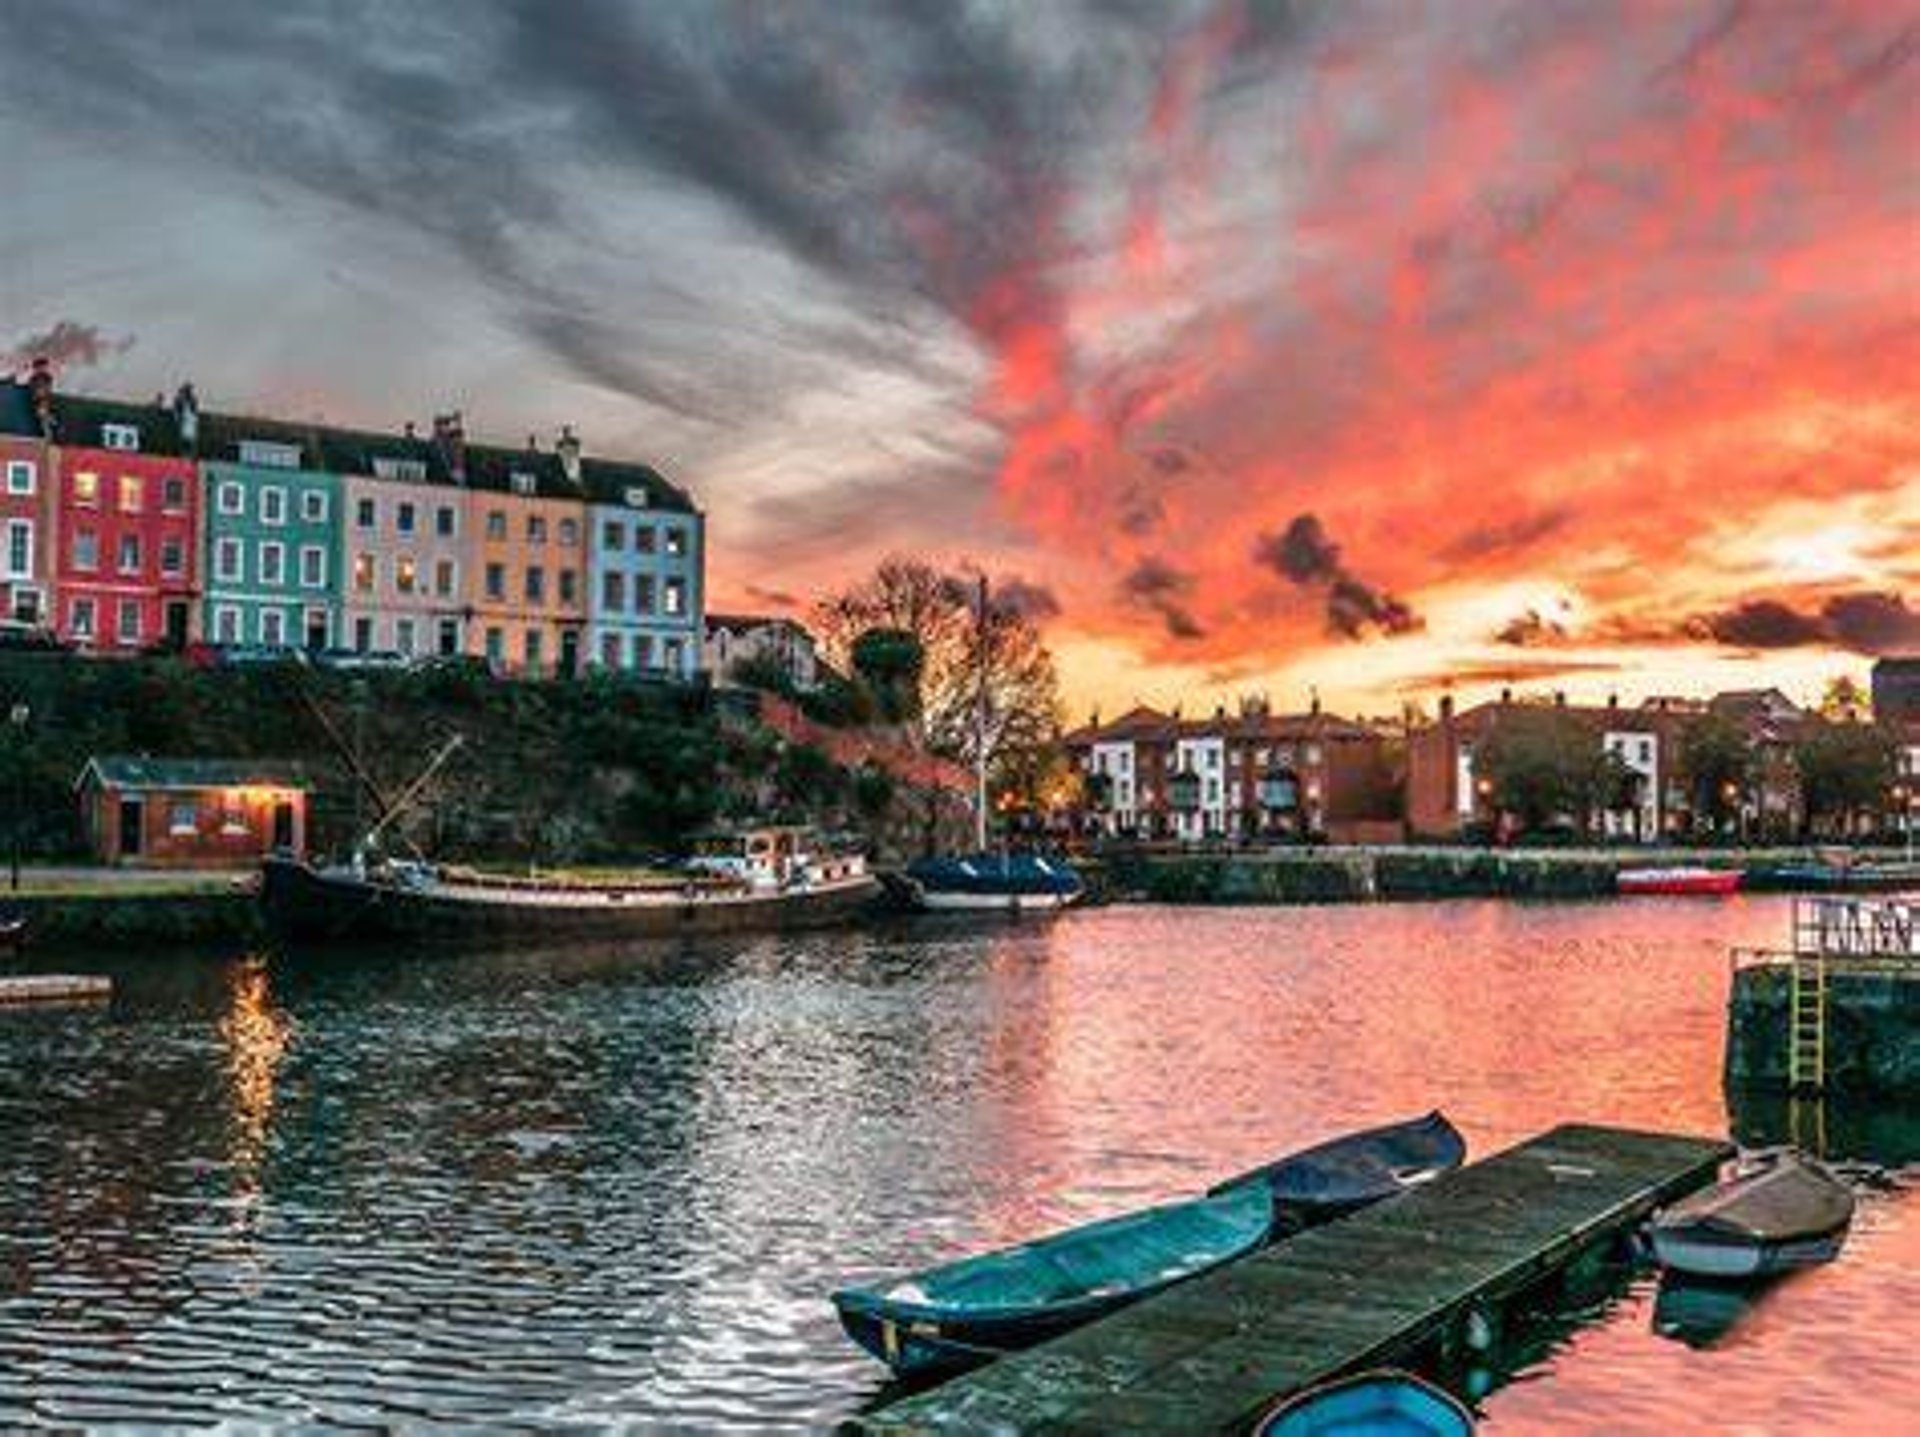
<point>385,467</point>
<point>133,494</point>
<point>365,514</point>
<point>313,505</point>
<point>534,643</point>
<point>522,482</point>
<point>273,628</point>
<point>124,437</point>
<point>231,498</point>
<point>403,636</point>
<point>363,573</point>
<point>183,817</point>
<point>363,634</point>
<point>569,533</point>
<point>20,476</point>
<point>536,584</point>
<point>636,497</point>
<point>86,489</point>
<point>226,561</point>
<point>643,651</point>
<point>496,581</point>
<point>643,593</point>
<point>443,521</point>
<point>643,537</point>
<point>226,624</point>
<point>613,591</point>
<point>449,636</point>
<point>675,539</point>
<point>610,651</point>
<point>173,495</point>
<point>674,594</point>
<point>80,618</point>
<point>86,549</point>
<point>129,553</point>
<point>569,587</point>
<point>405,574</point>
<point>404,517</point>
<point>676,655</point>
<point>613,535</point>
<point>129,629</point>
<point>496,523</point>
<point>173,557</point>
<point>496,645</point>
<point>19,548</point>
<point>273,563</point>
<point>445,578</point>
<point>273,505</point>
<point>536,528</point>
<point>313,566</point>
<point>263,454</point>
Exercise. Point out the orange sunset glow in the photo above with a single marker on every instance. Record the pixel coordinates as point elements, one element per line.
<point>1371,349</point>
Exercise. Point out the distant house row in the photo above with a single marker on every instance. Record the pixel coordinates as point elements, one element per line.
<point>125,527</point>
<point>1255,775</point>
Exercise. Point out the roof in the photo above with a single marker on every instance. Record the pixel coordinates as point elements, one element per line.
<point>16,411</point>
<point>79,420</point>
<point>122,771</point>
<point>1143,723</point>
<point>741,623</point>
<point>608,481</point>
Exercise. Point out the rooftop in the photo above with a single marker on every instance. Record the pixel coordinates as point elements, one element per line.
<point>142,771</point>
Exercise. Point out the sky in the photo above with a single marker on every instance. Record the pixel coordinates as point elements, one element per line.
<point>1367,350</point>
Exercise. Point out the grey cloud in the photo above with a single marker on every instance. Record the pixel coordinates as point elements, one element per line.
<point>65,345</point>
<point>1305,554</point>
<point>1160,587</point>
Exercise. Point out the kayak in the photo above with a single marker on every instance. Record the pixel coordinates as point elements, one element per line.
<point>1791,1213</point>
<point>1677,882</point>
<point>967,1312</point>
<point>1373,1404</point>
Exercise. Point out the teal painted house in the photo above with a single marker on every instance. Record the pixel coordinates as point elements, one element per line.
<point>273,525</point>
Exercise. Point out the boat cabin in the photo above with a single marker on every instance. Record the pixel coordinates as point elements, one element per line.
<point>777,856</point>
<point>192,812</point>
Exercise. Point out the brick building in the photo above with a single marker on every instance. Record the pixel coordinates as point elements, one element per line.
<point>192,812</point>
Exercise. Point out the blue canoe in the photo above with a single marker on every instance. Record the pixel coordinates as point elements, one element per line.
<point>967,1312</point>
<point>1373,1404</point>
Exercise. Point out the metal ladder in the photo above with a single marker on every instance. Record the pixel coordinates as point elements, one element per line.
<point>1807,1023</point>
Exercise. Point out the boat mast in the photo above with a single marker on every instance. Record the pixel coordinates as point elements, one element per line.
<point>980,726</point>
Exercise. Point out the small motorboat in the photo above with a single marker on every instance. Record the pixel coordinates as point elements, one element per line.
<point>999,882</point>
<point>1790,1213</point>
<point>1677,882</point>
<point>1372,1404</point>
<point>1348,1173</point>
<point>967,1312</point>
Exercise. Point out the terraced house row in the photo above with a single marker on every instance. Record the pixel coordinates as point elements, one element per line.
<point>133,526</point>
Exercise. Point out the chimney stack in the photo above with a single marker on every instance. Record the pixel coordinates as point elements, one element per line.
<point>1313,702</point>
<point>1559,698</point>
<point>186,415</point>
<point>40,395</point>
<point>1506,696</point>
<point>568,448</point>
<point>450,438</point>
<point>1446,707</point>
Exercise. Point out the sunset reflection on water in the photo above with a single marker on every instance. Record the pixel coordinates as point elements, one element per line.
<point>616,1186</point>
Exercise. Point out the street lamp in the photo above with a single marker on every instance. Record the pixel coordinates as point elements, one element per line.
<point>17,717</point>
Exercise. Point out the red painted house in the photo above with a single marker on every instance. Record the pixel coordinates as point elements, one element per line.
<point>26,508</point>
<point>126,569</point>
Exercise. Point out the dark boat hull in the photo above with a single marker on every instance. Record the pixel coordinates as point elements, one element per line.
<point>307,904</point>
<point>918,1347</point>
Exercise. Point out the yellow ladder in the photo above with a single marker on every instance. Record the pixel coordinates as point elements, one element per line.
<point>1807,1024</point>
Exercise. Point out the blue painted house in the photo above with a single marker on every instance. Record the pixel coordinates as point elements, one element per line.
<point>272,534</point>
<point>646,548</point>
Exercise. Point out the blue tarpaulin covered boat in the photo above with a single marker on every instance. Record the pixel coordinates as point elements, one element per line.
<point>971,1311</point>
<point>1373,1404</point>
<point>1015,882</point>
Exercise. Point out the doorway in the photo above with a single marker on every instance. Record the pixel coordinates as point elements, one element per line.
<point>283,826</point>
<point>177,612</point>
<point>133,824</point>
<point>569,653</point>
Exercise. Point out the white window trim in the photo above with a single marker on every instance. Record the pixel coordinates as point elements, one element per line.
<point>372,523</point>
<point>123,438</point>
<point>274,574</point>
<point>232,497</point>
<point>313,506</point>
<point>15,483</point>
<point>120,634</point>
<point>224,572</point>
<point>222,614</point>
<point>273,491</point>
<point>315,551</point>
<point>120,555</point>
<point>279,617</point>
<point>8,569</point>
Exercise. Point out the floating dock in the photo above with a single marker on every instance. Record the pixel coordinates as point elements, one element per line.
<point>53,988</point>
<point>1427,1268</point>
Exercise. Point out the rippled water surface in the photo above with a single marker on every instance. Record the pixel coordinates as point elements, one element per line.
<point>615,1187</point>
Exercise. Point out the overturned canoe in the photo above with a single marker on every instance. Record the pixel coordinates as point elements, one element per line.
<point>1793,1213</point>
<point>970,1311</point>
<point>1372,1404</point>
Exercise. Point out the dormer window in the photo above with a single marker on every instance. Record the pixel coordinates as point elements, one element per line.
<point>387,467</point>
<point>120,436</point>
<point>636,498</point>
<point>523,483</point>
<point>265,455</point>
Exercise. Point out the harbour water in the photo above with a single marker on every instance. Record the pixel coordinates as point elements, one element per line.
<point>594,1188</point>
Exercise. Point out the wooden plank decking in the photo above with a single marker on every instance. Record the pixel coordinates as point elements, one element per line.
<point>1212,1354</point>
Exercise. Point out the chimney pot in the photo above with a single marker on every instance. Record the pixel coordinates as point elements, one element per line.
<point>568,448</point>
<point>1506,696</point>
<point>1560,698</point>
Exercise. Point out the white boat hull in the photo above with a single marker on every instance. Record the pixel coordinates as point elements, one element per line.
<point>1703,1257</point>
<point>992,902</point>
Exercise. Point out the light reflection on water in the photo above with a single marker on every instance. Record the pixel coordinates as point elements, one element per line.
<point>603,1186</point>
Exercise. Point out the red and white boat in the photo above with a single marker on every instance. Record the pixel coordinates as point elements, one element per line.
<point>1681,882</point>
